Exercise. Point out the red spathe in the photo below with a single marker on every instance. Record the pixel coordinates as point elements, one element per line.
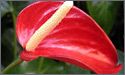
<point>78,39</point>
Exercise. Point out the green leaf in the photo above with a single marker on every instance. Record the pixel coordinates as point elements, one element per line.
<point>72,69</point>
<point>4,7</point>
<point>121,60</point>
<point>7,47</point>
<point>104,12</point>
<point>53,66</point>
<point>26,67</point>
<point>38,66</point>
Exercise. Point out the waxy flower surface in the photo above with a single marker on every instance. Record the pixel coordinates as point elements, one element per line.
<point>78,39</point>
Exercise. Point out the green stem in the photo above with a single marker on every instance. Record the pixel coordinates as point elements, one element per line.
<point>12,65</point>
<point>14,22</point>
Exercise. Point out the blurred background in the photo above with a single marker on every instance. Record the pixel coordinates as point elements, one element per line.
<point>108,14</point>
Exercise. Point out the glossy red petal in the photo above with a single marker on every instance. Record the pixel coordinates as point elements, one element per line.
<point>84,60</point>
<point>78,39</point>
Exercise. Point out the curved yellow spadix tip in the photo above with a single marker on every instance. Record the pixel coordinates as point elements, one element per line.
<point>48,26</point>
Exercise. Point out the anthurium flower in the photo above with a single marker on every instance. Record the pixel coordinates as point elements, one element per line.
<point>77,39</point>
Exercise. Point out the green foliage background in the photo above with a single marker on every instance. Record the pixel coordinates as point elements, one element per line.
<point>104,12</point>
